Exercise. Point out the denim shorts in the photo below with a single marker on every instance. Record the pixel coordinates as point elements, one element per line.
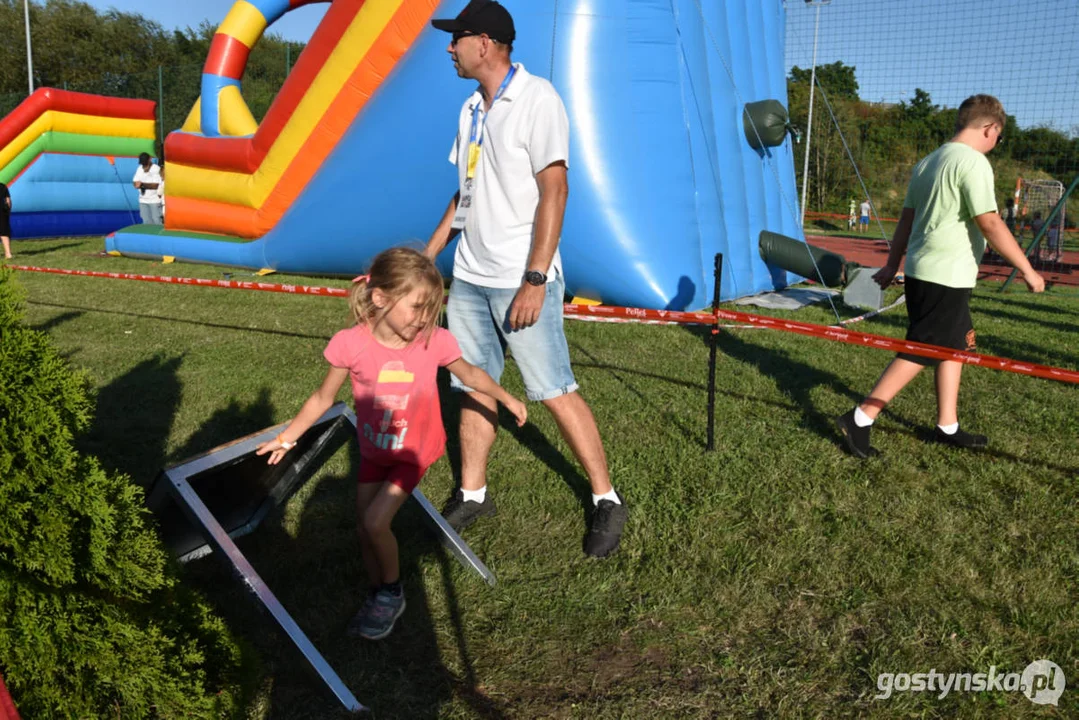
<point>479,318</point>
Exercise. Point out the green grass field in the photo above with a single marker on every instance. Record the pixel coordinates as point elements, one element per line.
<point>775,577</point>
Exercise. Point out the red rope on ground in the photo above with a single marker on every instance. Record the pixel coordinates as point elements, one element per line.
<point>623,314</point>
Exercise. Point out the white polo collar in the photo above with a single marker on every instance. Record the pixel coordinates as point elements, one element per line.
<point>520,79</point>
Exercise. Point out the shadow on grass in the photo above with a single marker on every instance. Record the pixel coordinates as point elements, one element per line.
<point>1012,301</point>
<point>829,226</point>
<point>795,379</point>
<point>925,434</point>
<point>1017,350</point>
<point>313,566</point>
<point>1040,322</point>
<point>226,424</point>
<point>21,252</point>
<point>198,323</point>
<point>684,430</point>
<point>133,418</point>
<point>58,320</point>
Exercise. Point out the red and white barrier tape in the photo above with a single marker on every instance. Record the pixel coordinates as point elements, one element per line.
<point>623,321</point>
<point>615,314</point>
<point>905,346</point>
<point>201,282</point>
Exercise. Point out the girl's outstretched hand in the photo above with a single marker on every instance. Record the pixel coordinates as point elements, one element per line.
<point>518,409</point>
<point>277,449</point>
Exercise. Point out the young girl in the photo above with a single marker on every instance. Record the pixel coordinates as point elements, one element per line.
<point>392,356</point>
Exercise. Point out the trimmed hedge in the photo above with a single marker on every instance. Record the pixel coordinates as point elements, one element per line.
<point>93,622</point>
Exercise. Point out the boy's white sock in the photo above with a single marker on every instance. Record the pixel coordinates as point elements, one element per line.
<point>949,429</point>
<point>611,495</point>
<point>477,496</point>
<point>861,419</point>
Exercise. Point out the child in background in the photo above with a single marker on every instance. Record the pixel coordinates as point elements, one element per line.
<point>392,355</point>
<point>1053,241</point>
<point>5,220</point>
<point>949,214</point>
<point>161,192</point>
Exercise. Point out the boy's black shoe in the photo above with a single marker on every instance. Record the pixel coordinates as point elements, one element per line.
<point>461,513</point>
<point>608,519</point>
<point>856,438</point>
<point>962,439</point>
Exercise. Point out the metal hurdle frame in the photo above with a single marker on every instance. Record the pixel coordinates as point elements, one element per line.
<point>333,429</point>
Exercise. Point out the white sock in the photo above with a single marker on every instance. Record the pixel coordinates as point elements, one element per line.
<point>861,419</point>
<point>475,495</point>
<point>949,429</point>
<point>610,495</point>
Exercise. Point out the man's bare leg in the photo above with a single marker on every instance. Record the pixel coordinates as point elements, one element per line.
<point>578,427</point>
<point>479,424</point>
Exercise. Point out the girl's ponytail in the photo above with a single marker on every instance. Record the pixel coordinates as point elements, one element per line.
<point>359,299</point>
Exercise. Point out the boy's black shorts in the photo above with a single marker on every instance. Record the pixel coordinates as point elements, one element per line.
<point>938,315</point>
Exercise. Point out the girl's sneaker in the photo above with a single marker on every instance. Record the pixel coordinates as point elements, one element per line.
<point>379,619</point>
<point>354,625</point>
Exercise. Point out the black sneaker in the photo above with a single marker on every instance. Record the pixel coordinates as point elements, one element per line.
<point>856,438</point>
<point>962,439</point>
<point>608,519</point>
<point>461,513</point>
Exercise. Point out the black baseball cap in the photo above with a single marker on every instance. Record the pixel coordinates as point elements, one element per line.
<point>481,17</point>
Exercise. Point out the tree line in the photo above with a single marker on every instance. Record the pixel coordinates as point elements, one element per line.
<point>886,140</point>
<point>120,54</point>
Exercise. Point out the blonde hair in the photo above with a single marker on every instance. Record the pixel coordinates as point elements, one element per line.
<point>397,272</point>
<point>980,108</point>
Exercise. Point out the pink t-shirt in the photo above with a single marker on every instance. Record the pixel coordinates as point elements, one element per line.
<point>398,416</point>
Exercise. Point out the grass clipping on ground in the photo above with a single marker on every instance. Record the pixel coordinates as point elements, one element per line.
<point>775,577</point>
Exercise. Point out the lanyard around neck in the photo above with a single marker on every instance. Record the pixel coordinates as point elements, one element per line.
<point>476,136</point>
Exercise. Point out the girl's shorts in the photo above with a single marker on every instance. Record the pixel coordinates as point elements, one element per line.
<point>403,475</point>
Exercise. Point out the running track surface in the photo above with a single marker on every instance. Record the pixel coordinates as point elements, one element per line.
<point>874,253</point>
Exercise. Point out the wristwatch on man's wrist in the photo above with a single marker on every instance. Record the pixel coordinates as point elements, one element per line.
<point>535,277</point>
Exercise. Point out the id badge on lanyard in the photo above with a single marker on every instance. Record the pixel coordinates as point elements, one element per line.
<point>475,148</point>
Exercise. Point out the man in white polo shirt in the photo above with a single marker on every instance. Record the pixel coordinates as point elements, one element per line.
<point>511,153</point>
<point>147,181</point>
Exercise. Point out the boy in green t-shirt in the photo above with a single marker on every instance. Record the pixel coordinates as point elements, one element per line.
<point>949,213</point>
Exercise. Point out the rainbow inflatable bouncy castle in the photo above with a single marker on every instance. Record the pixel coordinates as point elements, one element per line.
<point>351,157</point>
<point>68,159</point>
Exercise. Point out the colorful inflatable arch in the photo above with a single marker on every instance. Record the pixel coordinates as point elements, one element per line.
<point>351,157</point>
<point>68,159</point>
